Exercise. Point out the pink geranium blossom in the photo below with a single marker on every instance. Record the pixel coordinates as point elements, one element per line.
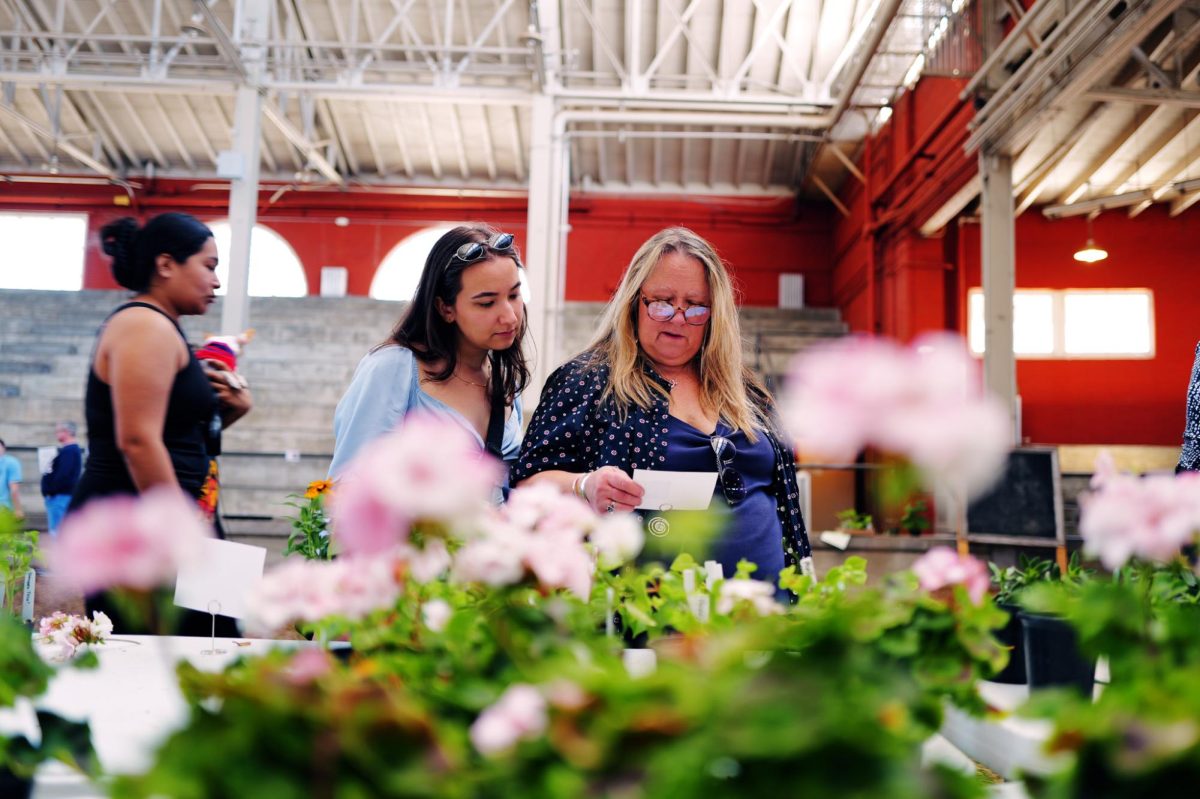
<point>1127,516</point>
<point>925,402</point>
<point>942,566</point>
<point>314,590</point>
<point>428,469</point>
<point>519,714</point>
<point>66,634</point>
<point>127,542</point>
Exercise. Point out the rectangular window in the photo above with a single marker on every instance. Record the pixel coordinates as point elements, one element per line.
<point>43,251</point>
<point>1073,323</point>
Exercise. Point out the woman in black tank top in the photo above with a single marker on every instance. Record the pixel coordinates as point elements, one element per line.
<point>154,413</point>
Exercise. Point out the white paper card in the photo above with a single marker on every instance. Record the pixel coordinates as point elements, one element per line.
<point>46,456</point>
<point>836,540</point>
<point>223,571</point>
<point>666,491</point>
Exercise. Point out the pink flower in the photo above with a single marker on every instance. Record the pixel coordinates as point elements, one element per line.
<point>66,634</point>
<point>428,469</point>
<point>427,563</point>
<point>942,566</point>
<point>519,714</point>
<point>308,665</point>
<point>925,402</point>
<point>495,560</point>
<point>127,542</point>
<point>310,591</point>
<point>561,561</point>
<point>1148,517</point>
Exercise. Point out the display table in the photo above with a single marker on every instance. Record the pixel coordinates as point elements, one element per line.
<point>1007,744</point>
<point>132,702</point>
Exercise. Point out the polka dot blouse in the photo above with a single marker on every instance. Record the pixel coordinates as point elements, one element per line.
<point>574,430</point>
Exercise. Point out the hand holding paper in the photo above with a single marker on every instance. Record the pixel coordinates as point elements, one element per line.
<point>667,491</point>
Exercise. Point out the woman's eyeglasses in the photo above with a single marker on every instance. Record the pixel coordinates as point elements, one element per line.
<point>663,311</point>
<point>473,251</point>
<point>732,484</point>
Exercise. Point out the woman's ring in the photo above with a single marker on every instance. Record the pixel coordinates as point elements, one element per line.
<point>611,507</point>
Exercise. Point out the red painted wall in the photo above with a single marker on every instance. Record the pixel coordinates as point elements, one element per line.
<point>759,237</point>
<point>1109,401</point>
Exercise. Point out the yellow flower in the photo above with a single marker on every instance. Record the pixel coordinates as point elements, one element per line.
<point>318,487</point>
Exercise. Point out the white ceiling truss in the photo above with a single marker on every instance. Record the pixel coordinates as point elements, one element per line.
<point>679,95</point>
<point>1098,104</point>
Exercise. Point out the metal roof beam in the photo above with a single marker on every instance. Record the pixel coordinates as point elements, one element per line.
<point>57,141</point>
<point>301,143</point>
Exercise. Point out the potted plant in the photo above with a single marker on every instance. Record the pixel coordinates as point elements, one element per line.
<point>18,551</point>
<point>1053,657</point>
<point>1008,583</point>
<point>914,518</point>
<point>851,521</point>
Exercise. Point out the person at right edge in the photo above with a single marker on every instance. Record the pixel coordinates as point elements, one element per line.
<point>1189,456</point>
<point>154,412</point>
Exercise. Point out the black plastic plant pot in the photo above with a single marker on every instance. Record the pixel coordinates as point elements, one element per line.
<point>14,787</point>
<point>1011,637</point>
<point>1052,656</point>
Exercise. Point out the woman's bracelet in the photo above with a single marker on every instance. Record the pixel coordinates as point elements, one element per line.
<point>580,486</point>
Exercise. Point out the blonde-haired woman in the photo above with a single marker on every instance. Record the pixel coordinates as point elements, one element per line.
<point>663,386</point>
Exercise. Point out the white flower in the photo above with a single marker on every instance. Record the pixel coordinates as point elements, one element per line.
<point>618,538</point>
<point>436,613</point>
<point>759,595</point>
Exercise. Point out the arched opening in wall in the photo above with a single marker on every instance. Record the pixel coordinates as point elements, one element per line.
<point>275,269</point>
<point>43,251</point>
<point>398,274</point>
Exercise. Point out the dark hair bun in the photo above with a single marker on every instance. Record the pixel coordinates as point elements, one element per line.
<point>117,238</point>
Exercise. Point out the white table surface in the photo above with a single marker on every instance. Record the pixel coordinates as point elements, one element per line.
<point>132,702</point>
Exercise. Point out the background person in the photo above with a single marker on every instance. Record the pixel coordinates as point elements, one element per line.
<point>154,413</point>
<point>663,386</point>
<point>59,483</point>
<point>10,482</point>
<point>456,351</point>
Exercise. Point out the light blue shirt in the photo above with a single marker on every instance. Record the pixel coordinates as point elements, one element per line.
<point>385,388</point>
<point>10,472</point>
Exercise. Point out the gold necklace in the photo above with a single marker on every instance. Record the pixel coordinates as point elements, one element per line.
<point>457,376</point>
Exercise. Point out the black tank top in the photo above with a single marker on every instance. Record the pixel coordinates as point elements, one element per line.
<point>190,409</point>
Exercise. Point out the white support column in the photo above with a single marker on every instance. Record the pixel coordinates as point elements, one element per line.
<point>544,253</point>
<point>250,34</point>
<point>545,248</point>
<point>999,280</point>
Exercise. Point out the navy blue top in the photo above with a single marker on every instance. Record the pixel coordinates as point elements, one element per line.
<point>576,429</point>
<point>752,531</point>
<point>64,471</point>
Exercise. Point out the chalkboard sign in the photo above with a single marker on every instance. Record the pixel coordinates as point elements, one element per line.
<point>1025,505</point>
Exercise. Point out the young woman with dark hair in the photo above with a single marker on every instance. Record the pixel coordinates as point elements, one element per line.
<point>154,413</point>
<point>456,349</point>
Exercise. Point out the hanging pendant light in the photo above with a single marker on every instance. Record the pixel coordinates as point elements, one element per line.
<point>1091,252</point>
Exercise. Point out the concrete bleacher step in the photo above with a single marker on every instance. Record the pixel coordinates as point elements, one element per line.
<point>301,361</point>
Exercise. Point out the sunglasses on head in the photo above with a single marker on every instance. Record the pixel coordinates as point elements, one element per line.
<point>663,311</point>
<point>732,484</point>
<point>473,251</point>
